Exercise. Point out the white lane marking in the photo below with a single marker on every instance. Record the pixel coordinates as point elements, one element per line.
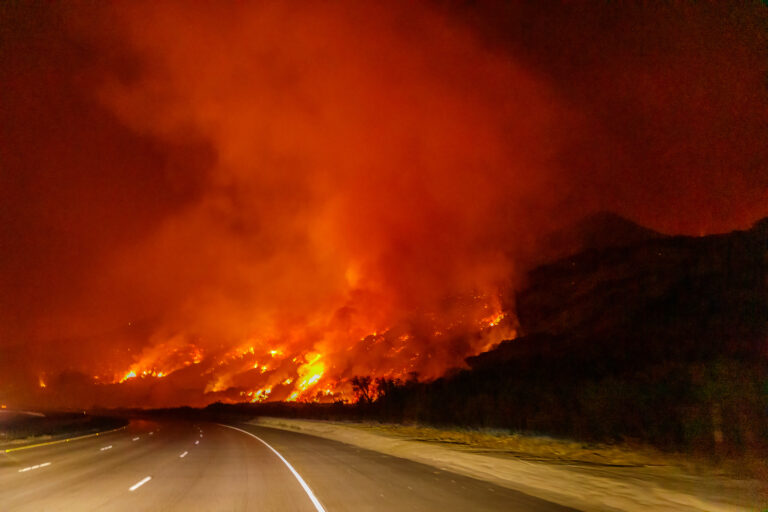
<point>105,448</point>
<point>37,466</point>
<point>183,455</point>
<point>140,483</point>
<point>67,440</point>
<point>309,492</point>
<point>135,439</point>
<point>152,433</point>
<point>197,442</point>
<point>201,436</point>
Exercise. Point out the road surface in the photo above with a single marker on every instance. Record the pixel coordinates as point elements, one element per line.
<point>170,466</point>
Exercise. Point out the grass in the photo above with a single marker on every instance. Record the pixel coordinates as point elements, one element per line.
<point>28,429</point>
<point>562,451</point>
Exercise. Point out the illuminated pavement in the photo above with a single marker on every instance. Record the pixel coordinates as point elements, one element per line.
<point>184,466</point>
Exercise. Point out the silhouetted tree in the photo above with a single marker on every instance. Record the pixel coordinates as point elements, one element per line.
<point>362,388</point>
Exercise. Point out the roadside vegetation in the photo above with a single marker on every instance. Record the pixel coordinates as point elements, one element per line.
<point>21,429</point>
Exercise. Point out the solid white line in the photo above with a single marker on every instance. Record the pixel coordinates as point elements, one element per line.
<point>106,448</point>
<point>309,492</point>
<point>140,483</point>
<point>37,466</point>
<point>135,439</point>
<point>183,455</point>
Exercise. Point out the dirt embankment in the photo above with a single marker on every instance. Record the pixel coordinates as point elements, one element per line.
<point>590,478</point>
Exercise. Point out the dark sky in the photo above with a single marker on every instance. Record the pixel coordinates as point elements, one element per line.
<point>189,181</point>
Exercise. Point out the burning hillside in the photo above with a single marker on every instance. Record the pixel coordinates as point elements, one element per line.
<point>284,369</point>
<point>250,202</point>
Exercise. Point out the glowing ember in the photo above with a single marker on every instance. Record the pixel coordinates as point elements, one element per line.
<point>494,320</point>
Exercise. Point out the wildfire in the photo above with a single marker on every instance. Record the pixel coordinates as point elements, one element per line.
<point>259,395</point>
<point>310,374</point>
<point>132,374</point>
<point>161,360</point>
<point>265,368</point>
<point>494,320</point>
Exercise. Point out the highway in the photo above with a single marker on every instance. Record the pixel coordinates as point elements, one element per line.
<point>170,466</point>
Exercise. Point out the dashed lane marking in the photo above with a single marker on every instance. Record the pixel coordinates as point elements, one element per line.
<point>140,483</point>
<point>37,466</point>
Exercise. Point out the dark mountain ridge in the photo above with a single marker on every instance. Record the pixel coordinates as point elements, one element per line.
<point>601,230</point>
<point>661,339</point>
<point>666,297</point>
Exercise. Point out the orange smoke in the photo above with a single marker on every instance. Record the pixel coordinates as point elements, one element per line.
<point>356,190</point>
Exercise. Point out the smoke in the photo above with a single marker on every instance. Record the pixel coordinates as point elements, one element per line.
<point>247,197</point>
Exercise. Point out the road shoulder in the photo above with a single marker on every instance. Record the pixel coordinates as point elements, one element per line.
<point>589,488</point>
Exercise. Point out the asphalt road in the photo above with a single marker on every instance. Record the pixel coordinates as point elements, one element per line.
<point>187,467</point>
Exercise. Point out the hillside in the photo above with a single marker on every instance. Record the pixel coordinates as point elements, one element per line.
<point>661,340</point>
<point>601,230</point>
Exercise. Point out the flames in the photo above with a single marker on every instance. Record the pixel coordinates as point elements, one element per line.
<point>159,361</point>
<point>132,374</point>
<point>494,320</point>
<point>310,373</point>
<point>293,369</point>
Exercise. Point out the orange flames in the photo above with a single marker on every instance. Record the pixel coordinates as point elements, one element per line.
<point>161,360</point>
<point>297,371</point>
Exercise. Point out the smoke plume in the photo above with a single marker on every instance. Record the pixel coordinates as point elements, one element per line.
<point>243,201</point>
